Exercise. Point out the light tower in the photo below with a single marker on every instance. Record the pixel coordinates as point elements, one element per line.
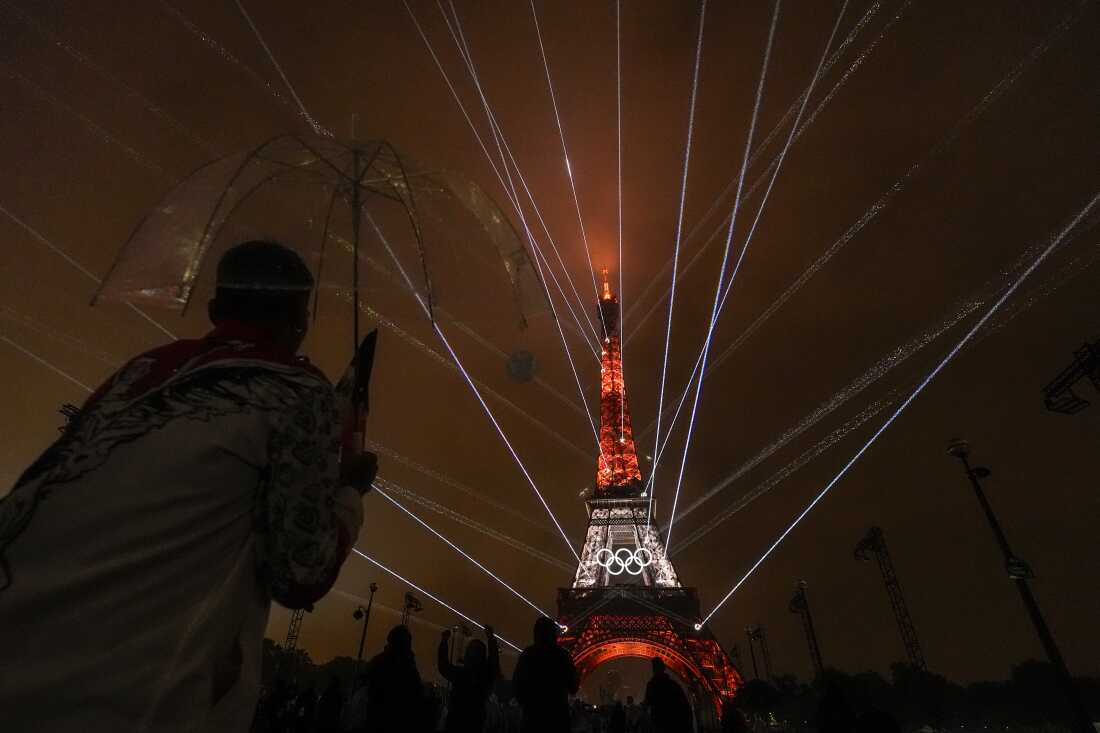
<point>801,605</point>
<point>1058,395</point>
<point>874,545</point>
<point>1020,573</point>
<point>626,598</point>
<point>294,629</point>
<point>757,638</point>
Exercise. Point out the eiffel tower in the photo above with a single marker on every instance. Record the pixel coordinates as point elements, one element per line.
<point>626,599</point>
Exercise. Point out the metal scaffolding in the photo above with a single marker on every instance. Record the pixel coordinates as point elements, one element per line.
<point>874,545</point>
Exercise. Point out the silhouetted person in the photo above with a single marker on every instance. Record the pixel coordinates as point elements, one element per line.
<point>513,716</point>
<point>834,715</point>
<point>354,718</point>
<point>617,721</point>
<point>877,721</point>
<point>282,709</point>
<point>329,707</point>
<point>543,681</point>
<point>305,707</point>
<point>395,694</point>
<point>195,486</point>
<point>633,714</point>
<point>471,682</point>
<point>667,703</point>
<point>733,720</point>
<point>271,708</point>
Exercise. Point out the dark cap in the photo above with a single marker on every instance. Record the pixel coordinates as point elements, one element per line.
<point>263,265</point>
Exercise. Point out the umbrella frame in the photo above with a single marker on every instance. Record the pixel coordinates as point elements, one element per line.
<point>352,186</point>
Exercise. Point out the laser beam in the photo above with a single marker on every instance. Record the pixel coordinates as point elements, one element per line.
<point>880,205</point>
<point>44,362</point>
<point>679,233</point>
<point>458,549</point>
<point>481,143</point>
<point>905,404</point>
<point>459,37</point>
<point>884,200</point>
<point>572,366</point>
<point>111,78</point>
<point>974,303</point>
<point>444,361</point>
<point>428,593</point>
<point>619,139</point>
<point>469,380</point>
<point>565,154</point>
<point>30,324</point>
<point>274,62</point>
<point>729,240</point>
<point>868,15</point>
<point>498,136</point>
<point>486,530</point>
<point>451,482</point>
<point>80,268</point>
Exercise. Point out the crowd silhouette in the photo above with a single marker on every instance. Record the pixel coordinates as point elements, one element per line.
<point>542,696</point>
<point>259,474</point>
<point>390,695</point>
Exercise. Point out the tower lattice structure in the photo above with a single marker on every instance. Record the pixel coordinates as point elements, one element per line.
<point>800,605</point>
<point>873,545</point>
<point>626,598</point>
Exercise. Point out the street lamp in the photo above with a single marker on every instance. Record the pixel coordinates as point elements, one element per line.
<point>1021,573</point>
<point>363,614</point>
<point>451,651</point>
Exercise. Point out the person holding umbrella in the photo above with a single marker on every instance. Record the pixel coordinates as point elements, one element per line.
<point>140,553</point>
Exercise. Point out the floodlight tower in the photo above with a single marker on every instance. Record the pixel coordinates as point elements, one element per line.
<point>294,629</point>
<point>735,655</point>
<point>1059,396</point>
<point>363,614</point>
<point>874,545</point>
<point>756,635</point>
<point>801,605</point>
<point>1020,573</point>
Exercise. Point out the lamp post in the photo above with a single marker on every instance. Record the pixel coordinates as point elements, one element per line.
<point>451,651</point>
<point>364,614</point>
<point>1020,573</point>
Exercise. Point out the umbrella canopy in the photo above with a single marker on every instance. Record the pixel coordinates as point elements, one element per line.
<point>353,211</point>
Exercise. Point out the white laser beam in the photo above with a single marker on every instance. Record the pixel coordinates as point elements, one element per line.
<point>458,549</point>
<point>902,407</point>
<point>676,250</point>
<point>469,380</point>
<point>428,593</point>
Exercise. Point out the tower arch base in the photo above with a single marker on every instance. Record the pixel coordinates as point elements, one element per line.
<point>607,623</point>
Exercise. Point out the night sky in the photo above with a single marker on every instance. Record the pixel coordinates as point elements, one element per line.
<point>107,105</point>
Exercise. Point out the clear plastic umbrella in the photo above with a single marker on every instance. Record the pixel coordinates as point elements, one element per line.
<point>344,207</point>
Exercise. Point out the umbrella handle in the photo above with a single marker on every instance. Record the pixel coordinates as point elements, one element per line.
<point>354,440</point>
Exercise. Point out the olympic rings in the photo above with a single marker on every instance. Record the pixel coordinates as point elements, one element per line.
<point>624,560</point>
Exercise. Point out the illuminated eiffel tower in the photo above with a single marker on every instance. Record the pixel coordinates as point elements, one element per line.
<point>626,599</point>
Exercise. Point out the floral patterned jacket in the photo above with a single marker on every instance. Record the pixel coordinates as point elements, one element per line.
<point>195,486</point>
